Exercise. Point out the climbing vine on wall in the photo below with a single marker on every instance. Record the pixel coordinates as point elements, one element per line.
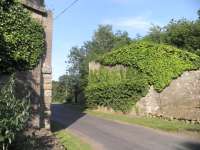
<point>21,38</point>
<point>160,63</point>
<point>22,44</point>
<point>145,64</point>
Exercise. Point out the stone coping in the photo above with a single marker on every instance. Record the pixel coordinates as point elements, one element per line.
<point>30,5</point>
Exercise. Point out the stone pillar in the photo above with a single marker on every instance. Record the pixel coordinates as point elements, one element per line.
<point>41,77</point>
<point>47,71</point>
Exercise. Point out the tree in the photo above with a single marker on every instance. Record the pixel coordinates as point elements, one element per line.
<point>181,33</point>
<point>104,40</point>
<point>76,72</point>
<point>59,92</point>
<point>155,34</point>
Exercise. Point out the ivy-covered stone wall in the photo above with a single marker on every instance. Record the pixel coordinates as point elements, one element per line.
<point>139,75</point>
<point>40,79</point>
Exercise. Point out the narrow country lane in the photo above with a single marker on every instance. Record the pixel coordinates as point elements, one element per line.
<point>109,135</point>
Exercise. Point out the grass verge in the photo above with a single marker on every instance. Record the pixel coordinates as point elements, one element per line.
<point>155,123</point>
<point>173,126</point>
<point>68,140</point>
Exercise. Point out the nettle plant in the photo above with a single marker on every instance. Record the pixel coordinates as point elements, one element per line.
<point>147,64</point>
<point>22,44</point>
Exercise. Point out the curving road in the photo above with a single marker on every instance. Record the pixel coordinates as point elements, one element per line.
<point>108,135</point>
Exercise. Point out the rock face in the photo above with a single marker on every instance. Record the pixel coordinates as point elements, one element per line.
<point>181,99</point>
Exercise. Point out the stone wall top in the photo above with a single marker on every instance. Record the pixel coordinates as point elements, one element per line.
<point>36,7</point>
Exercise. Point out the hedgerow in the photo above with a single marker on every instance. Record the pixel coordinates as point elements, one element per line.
<point>145,64</point>
<point>119,96</point>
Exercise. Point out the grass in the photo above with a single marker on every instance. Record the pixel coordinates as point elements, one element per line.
<point>155,123</point>
<point>69,140</point>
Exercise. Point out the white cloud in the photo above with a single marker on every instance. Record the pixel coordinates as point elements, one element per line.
<point>130,23</point>
<point>134,25</point>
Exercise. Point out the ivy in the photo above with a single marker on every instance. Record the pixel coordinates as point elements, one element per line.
<point>21,38</point>
<point>120,96</point>
<point>160,63</point>
<point>145,64</point>
<point>22,44</point>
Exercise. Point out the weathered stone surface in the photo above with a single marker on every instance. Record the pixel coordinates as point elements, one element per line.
<point>181,99</point>
<point>41,77</point>
<point>48,86</point>
<point>149,104</point>
<point>48,93</point>
<point>46,70</point>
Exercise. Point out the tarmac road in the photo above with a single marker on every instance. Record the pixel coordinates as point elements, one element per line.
<point>103,134</point>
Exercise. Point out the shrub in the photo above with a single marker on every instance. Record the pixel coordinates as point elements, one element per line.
<point>145,64</point>
<point>13,113</point>
<point>118,96</point>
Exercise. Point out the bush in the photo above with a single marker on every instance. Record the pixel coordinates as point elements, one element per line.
<point>21,38</point>
<point>14,113</point>
<point>118,96</point>
<point>145,64</point>
<point>117,88</point>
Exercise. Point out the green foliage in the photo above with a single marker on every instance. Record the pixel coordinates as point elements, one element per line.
<point>70,141</point>
<point>104,39</point>
<point>21,38</point>
<point>182,33</point>
<point>158,62</point>
<point>59,92</point>
<point>14,113</point>
<point>118,88</point>
<point>155,123</point>
<point>21,47</point>
<point>120,96</point>
<point>145,64</point>
<point>198,12</point>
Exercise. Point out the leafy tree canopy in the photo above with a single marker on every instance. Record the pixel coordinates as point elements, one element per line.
<point>181,33</point>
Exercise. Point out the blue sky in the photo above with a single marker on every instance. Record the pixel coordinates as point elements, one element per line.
<point>135,16</point>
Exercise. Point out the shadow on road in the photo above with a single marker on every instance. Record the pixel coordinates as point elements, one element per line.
<point>64,115</point>
<point>190,146</point>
